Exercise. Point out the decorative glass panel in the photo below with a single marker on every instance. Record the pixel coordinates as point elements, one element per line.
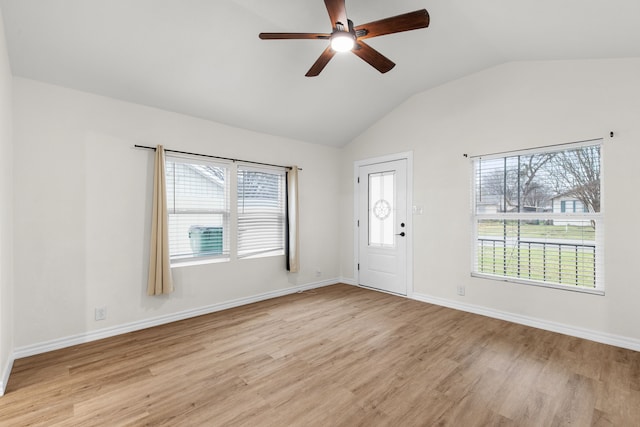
<point>382,209</point>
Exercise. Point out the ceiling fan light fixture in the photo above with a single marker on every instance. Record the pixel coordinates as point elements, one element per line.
<point>342,41</point>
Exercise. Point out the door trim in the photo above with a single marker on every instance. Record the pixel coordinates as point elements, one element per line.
<point>408,156</point>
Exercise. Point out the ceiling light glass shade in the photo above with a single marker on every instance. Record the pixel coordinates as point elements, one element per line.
<point>342,41</point>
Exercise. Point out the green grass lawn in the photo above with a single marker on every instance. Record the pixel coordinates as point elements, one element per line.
<point>572,232</point>
<point>566,266</point>
<point>550,263</point>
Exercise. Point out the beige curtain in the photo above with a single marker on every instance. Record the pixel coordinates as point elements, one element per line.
<point>293,246</point>
<point>160,281</point>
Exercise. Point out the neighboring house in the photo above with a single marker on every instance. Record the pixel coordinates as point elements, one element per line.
<point>494,204</point>
<point>569,204</point>
<point>490,204</point>
<point>527,209</point>
<point>487,208</point>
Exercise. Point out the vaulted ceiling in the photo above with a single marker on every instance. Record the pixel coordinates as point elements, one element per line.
<point>203,57</point>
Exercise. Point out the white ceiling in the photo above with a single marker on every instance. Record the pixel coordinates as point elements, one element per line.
<point>203,57</point>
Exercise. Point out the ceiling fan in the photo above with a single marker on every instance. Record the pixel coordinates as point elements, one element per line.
<point>347,37</point>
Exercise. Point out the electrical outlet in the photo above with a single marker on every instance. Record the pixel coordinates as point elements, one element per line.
<point>101,313</point>
<point>461,290</point>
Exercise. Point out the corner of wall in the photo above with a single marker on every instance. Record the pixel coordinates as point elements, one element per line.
<point>4,375</point>
<point>6,213</point>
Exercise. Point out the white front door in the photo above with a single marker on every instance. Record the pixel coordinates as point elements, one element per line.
<point>382,230</point>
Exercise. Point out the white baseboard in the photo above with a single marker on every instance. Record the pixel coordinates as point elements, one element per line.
<point>601,337</point>
<point>611,339</point>
<point>59,343</point>
<point>4,375</point>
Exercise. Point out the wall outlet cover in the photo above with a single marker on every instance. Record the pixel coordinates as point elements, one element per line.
<point>101,313</point>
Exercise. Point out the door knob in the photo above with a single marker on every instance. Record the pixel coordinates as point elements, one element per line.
<point>400,234</point>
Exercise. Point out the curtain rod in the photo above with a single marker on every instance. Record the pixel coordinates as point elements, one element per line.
<point>216,157</point>
<point>611,134</point>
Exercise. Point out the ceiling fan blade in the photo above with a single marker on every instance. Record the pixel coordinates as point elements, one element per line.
<point>395,24</point>
<point>321,62</point>
<point>373,57</point>
<point>337,13</point>
<point>302,36</point>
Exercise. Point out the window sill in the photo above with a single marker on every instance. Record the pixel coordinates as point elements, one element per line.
<point>540,284</point>
<point>198,261</point>
<point>263,255</point>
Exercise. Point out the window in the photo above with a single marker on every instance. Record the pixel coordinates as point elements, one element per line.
<point>538,217</point>
<point>198,206</point>
<point>200,211</point>
<point>261,217</point>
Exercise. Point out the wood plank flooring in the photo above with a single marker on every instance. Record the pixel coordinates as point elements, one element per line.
<point>336,356</point>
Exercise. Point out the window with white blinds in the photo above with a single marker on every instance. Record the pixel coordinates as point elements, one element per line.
<point>198,206</point>
<point>261,212</point>
<point>537,217</point>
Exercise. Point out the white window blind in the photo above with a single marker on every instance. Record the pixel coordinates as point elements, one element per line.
<point>261,217</point>
<point>198,206</point>
<point>538,217</point>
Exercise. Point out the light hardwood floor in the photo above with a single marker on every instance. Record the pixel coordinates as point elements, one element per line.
<point>336,356</point>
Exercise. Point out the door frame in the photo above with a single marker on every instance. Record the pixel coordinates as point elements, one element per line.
<point>408,156</point>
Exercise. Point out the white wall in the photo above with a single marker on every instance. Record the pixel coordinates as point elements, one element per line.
<point>82,208</point>
<point>81,197</point>
<point>509,107</point>
<point>6,213</point>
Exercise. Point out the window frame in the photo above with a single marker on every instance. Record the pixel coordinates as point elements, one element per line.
<point>281,216</point>
<point>230,214</point>
<point>225,256</point>
<point>596,217</point>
